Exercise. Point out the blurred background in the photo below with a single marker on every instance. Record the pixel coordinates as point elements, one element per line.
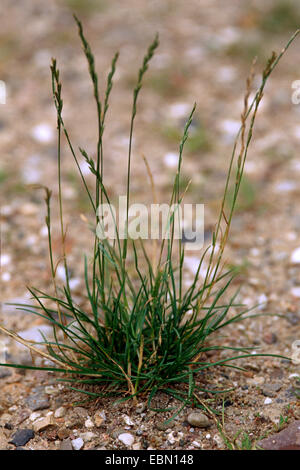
<point>205,53</point>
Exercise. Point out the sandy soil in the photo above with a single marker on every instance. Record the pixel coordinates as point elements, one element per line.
<point>205,57</point>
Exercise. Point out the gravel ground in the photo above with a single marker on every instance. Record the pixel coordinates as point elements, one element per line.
<point>204,56</point>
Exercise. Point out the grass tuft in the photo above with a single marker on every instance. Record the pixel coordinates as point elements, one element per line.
<point>143,331</point>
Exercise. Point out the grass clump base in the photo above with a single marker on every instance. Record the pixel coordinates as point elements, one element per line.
<point>144,331</point>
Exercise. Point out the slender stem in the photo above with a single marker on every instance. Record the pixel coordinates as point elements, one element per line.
<point>56,89</point>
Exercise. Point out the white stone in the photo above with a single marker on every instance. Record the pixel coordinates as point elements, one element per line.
<point>126,438</point>
<point>13,408</point>
<point>128,421</point>
<point>60,412</point>
<point>44,231</point>
<point>262,300</point>
<point>292,376</point>
<point>5,259</point>
<point>171,437</point>
<point>295,258</point>
<point>230,127</point>
<point>73,283</point>
<point>61,273</point>
<point>50,390</point>
<point>89,423</point>
<point>180,110</point>
<point>171,159</point>
<point>34,416</point>
<point>268,401</point>
<point>192,263</point>
<point>85,169</point>
<point>5,277</point>
<point>295,291</point>
<point>78,443</point>
<point>196,444</point>
<point>43,133</point>
<point>254,252</point>
<point>285,186</point>
<point>34,333</point>
<point>42,423</point>
<point>8,309</point>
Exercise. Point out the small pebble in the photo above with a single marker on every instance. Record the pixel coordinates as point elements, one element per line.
<point>230,127</point>
<point>199,420</point>
<point>50,390</point>
<point>171,160</point>
<point>21,437</point>
<point>268,401</point>
<point>270,338</point>
<point>43,423</point>
<point>78,443</point>
<point>74,283</point>
<point>196,444</point>
<point>60,412</point>
<point>285,186</point>
<point>295,291</point>
<point>34,416</point>
<point>36,333</point>
<point>140,408</point>
<point>99,418</point>
<point>126,438</point>
<point>89,423</point>
<point>171,438</point>
<point>43,133</point>
<point>38,402</point>
<point>295,257</point>
<point>87,436</point>
<point>292,376</point>
<point>5,259</point>
<point>66,444</point>
<point>180,110</point>
<point>128,421</point>
<point>5,276</point>
<point>269,390</point>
